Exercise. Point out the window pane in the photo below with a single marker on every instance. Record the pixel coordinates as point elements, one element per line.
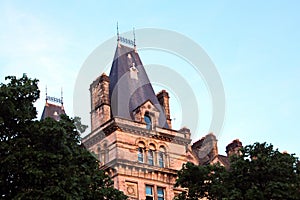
<point>147,119</point>
<point>160,193</point>
<point>150,157</point>
<point>140,155</point>
<point>161,159</point>
<point>149,190</point>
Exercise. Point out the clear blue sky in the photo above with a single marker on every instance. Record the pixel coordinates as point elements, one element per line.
<point>254,45</point>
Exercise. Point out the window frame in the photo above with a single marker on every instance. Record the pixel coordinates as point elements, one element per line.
<point>160,196</point>
<point>151,157</point>
<point>149,196</point>
<point>148,123</point>
<point>140,154</point>
<point>161,159</point>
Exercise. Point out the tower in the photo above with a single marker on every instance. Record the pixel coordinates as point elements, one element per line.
<point>131,130</point>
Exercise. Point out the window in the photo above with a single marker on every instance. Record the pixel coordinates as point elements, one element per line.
<point>150,157</point>
<point>162,156</point>
<point>105,156</point>
<point>148,122</point>
<point>140,154</point>
<point>160,193</point>
<point>149,192</point>
<point>161,159</point>
<point>99,154</point>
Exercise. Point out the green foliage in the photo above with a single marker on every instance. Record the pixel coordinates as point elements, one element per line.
<point>260,172</point>
<point>44,159</point>
<point>202,181</point>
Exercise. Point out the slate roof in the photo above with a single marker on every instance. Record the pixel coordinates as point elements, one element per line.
<point>52,111</point>
<point>130,86</point>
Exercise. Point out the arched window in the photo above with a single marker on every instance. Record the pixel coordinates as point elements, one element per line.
<point>148,121</point>
<point>161,161</point>
<point>150,157</point>
<point>161,156</point>
<point>140,154</point>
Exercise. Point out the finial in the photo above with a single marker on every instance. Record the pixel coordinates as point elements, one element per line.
<point>46,94</point>
<point>133,36</point>
<point>118,35</point>
<point>61,94</point>
<point>134,45</point>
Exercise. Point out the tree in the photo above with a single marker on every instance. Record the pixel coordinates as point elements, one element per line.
<point>44,159</point>
<point>202,181</point>
<point>264,173</point>
<point>260,172</point>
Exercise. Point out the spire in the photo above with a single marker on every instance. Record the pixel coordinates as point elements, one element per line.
<point>130,86</point>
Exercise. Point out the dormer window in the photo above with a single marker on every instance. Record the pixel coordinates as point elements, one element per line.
<point>148,121</point>
<point>147,114</point>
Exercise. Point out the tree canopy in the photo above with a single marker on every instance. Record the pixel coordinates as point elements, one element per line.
<point>259,172</point>
<point>44,159</point>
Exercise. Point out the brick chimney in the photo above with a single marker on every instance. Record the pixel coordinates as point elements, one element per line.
<point>163,99</point>
<point>100,103</point>
<point>234,148</point>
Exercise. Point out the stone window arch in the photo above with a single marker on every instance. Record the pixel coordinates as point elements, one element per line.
<point>151,154</point>
<point>162,156</point>
<point>141,151</point>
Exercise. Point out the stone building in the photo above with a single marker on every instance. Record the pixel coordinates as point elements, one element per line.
<point>132,135</point>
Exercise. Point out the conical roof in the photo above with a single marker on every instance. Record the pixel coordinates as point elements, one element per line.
<point>130,86</point>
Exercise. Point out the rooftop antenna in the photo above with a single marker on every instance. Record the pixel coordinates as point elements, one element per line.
<point>134,39</point>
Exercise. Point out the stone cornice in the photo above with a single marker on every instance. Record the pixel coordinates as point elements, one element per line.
<point>138,166</point>
<point>134,128</point>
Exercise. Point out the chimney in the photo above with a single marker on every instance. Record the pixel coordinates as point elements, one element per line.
<point>234,148</point>
<point>212,143</point>
<point>163,99</point>
<point>100,103</point>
